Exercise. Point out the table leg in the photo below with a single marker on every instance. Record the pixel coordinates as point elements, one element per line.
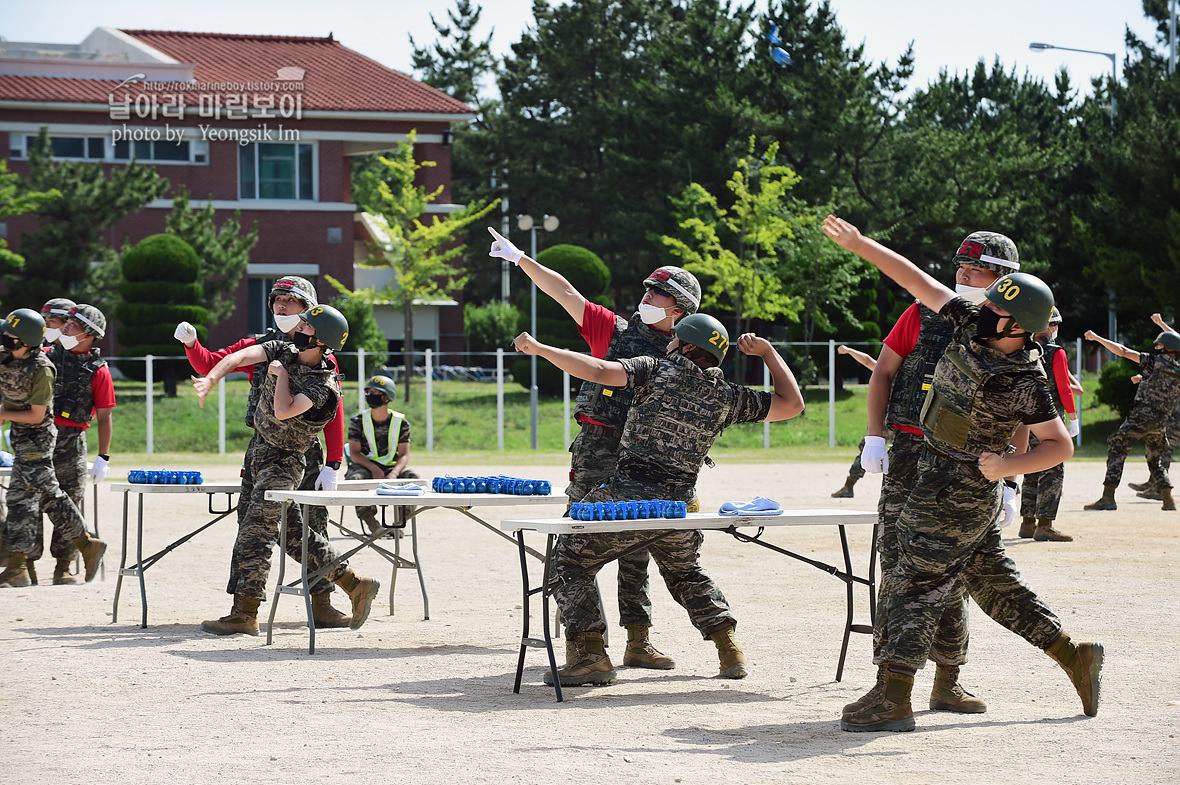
<point>418,567</point>
<point>139,556</point>
<point>525,641</point>
<point>274,601</point>
<point>545,611</point>
<point>122,563</point>
<point>306,529</point>
<point>849,627</point>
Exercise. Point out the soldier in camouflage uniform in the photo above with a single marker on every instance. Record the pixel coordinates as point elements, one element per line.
<point>83,393</point>
<point>901,377</point>
<point>681,403</point>
<point>26,386</point>
<point>1148,490</point>
<point>289,296</point>
<point>1155,401</point>
<point>987,385</point>
<point>1042,491</point>
<point>672,293</point>
<point>378,443</point>
<point>298,397</point>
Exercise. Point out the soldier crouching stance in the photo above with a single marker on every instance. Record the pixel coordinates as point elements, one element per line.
<point>298,398</point>
<point>987,385</point>
<point>681,404</point>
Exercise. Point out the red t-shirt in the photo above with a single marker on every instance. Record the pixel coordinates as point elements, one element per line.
<point>902,339</point>
<point>102,387</point>
<point>598,329</point>
<point>1061,376</point>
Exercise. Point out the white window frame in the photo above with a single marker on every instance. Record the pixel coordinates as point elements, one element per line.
<point>19,149</point>
<point>315,173</point>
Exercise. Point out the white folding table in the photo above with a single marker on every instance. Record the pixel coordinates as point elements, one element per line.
<point>141,562</point>
<point>460,502</point>
<point>660,528</point>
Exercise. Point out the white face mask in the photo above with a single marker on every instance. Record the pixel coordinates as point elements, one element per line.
<point>286,323</point>
<point>52,334</point>
<point>67,341</point>
<point>651,314</point>
<point>972,294</point>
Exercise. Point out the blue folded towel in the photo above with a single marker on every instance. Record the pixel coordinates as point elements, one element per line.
<point>759,506</point>
<point>386,489</point>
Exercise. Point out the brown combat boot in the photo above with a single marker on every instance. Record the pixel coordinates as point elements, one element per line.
<point>1083,663</point>
<point>949,695</point>
<point>62,575</point>
<point>31,568</point>
<point>846,491</point>
<point>243,617</point>
<point>362,592</point>
<point>590,664</point>
<point>891,712</point>
<point>1027,527</point>
<point>1141,487</point>
<point>872,696</point>
<point>732,660</point>
<point>1046,533</point>
<point>1166,496</point>
<point>324,615</point>
<point>16,574</point>
<point>1107,500</point>
<point>92,550</point>
<point>641,654</point>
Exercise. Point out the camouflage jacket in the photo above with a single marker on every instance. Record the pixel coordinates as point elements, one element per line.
<point>913,378</point>
<point>677,413</point>
<point>1160,387</point>
<point>73,392</point>
<point>259,374</point>
<point>317,383</point>
<point>17,379</point>
<point>980,396</point>
<point>609,405</point>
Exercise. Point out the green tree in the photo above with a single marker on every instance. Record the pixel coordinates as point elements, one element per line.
<point>223,250</point>
<point>160,288</point>
<point>15,200</point>
<point>74,226</point>
<point>420,253</point>
<point>459,68</point>
<point>363,333</point>
<point>490,327</point>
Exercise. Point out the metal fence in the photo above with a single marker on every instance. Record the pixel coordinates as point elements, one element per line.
<point>432,371</point>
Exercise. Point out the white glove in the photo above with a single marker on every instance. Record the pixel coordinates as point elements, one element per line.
<point>100,470</point>
<point>1075,427</point>
<point>327,481</point>
<point>503,248</point>
<point>185,333</point>
<point>1009,509</point>
<point>875,456</point>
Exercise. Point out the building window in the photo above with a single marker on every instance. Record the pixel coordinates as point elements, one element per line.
<point>153,151</point>
<point>101,148</point>
<point>275,170</point>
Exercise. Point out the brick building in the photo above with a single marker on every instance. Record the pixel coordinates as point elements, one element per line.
<point>262,124</point>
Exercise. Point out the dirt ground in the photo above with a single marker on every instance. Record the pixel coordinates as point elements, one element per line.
<point>409,700</point>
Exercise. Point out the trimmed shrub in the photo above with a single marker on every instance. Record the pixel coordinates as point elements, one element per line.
<point>1115,388</point>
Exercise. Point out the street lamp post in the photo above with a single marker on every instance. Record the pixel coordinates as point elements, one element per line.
<point>1038,47</point>
<point>526,224</point>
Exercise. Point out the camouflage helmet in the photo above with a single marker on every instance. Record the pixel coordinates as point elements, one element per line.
<point>1055,317</point>
<point>90,318</point>
<point>1026,297</point>
<point>1170,340</point>
<point>704,331</point>
<point>27,325</point>
<point>58,306</point>
<point>292,286</point>
<point>988,250</point>
<point>681,285</point>
<point>331,328</point>
<point>382,383</point>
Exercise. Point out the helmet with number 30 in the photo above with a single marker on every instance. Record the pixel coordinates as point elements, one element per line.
<point>1026,297</point>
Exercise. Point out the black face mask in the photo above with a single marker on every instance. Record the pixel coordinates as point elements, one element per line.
<point>988,324</point>
<point>302,341</point>
<point>9,342</point>
<point>375,399</point>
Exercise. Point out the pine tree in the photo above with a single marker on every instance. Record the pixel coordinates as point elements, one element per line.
<point>224,252</point>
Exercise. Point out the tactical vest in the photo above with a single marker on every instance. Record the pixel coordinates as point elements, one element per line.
<point>260,374</point>
<point>73,392</point>
<point>912,380</point>
<point>957,417</point>
<point>674,422</point>
<point>16,383</point>
<point>1160,389</point>
<point>1050,350</point>
<point>296,433</point>
<point>370,428</point>
<point>609,405</point>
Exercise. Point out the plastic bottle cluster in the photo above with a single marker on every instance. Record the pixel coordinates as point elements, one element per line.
<point>161,477</point>
<point>498,484</point>
<point>627,511</point>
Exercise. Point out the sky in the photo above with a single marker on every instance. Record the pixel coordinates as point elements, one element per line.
<point>950,34</point>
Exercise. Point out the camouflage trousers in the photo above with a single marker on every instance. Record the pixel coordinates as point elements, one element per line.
<point>358,472</point>
<point>577,559</point>
<point>856,471</point>
<point>69,464</point>
<point>317,515</point>
<point>1040,495</point>
<point>949,538</point>
<point>276,469</point>
<point>1143,425</point>
<point>33,490</point>
<point>594,454</point>
<point>951,637</point>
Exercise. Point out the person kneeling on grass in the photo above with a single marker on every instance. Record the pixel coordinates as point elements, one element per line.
<point>681,404</point>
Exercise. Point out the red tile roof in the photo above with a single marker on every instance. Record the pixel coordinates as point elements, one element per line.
<point>336,78</point>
